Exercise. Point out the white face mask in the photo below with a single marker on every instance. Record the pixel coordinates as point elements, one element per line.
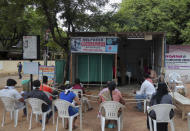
<point>34,87</point>
<point>67,91</point>
<point>9,87</point>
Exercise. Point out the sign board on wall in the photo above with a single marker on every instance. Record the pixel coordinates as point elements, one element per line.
<point>178,57</point>
<point>48,71</point>
<point>94,45</point>
<point>30,67</point>
<point>31,47</point>
<point>178,60</point>
<point>1,65</point>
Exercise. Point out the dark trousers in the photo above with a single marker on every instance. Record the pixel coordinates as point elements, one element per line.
<point>160,126</point>
<point>46,108</point>
<point>20,75</point>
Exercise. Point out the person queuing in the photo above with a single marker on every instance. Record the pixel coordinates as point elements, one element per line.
<point>78,85</point>
<point>44,87</point>
<point>69,96</point>
<point>161,97</point>
<point>10,91</point>
<point>37,93</point>
<point>111,94</point>
<point>146,90</point>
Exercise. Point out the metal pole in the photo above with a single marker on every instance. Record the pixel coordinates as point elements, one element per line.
<point>153,56</point>
<point>71,67</point>
<point>116,80</point>
<point>31,79</point>
<point>88,70</point>
<point>47,48</point>
<point>101,70</point>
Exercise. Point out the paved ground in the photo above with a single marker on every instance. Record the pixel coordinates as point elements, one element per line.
<point>133,120</point>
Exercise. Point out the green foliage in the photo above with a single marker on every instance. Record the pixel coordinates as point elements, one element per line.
<point>170,16</point>
<point>12,24</point>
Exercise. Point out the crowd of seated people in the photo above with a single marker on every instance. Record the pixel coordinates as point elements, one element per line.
<point>110,93</point>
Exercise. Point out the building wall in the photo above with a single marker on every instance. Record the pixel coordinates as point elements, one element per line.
<point>10,66</point>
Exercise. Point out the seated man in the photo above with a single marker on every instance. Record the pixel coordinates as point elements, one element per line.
<point>45,87</point>
<point>10,91</point>
<point>78,85</point>
<point>36,93</point>
<point>146,90</point>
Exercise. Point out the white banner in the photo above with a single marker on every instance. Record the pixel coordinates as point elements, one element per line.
<point>30,67</point>
<point>94,44</point>
<point>178,58</point>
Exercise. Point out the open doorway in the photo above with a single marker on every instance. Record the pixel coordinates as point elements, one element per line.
<point>137,56</point>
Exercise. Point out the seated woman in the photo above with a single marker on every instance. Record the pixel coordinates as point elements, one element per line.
<point>69,96</point>
<point>161,97</point>
<point>78,85</point>
<point>111,94</point>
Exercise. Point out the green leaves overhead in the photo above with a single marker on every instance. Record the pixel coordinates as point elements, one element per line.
<point>12,23</point>
<point>170,16</point>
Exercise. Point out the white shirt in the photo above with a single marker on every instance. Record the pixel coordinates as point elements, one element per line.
<point>13,93</point>
<point>147,88</point>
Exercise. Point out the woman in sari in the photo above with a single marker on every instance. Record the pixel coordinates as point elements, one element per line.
<point>111,94</point>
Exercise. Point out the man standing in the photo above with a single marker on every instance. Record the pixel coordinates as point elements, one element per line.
<point>147,89</point>
<point>19,66</point>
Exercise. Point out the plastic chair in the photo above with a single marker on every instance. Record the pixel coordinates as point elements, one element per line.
<point>175,77</point>
<point>79,94</point>
<point>129,74</point>
<point>146,102</point>
<point>36,105</point>
<point>162,112</point>
<point>62,107</point>
<point>188,120</point>
<point>111,113</point>
<point>9,106</point>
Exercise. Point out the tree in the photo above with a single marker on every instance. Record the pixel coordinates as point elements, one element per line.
<point>13,26</point>
<point>168,16</point>
<point>74,13</point>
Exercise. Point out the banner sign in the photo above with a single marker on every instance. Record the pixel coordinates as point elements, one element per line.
<point>178,57</point>
<point>48,71</point>
<point>94,45</point>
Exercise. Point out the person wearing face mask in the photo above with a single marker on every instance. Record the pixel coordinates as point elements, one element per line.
<point>69,96</point>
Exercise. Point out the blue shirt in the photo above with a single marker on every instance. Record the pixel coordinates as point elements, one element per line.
<point>68,97</point>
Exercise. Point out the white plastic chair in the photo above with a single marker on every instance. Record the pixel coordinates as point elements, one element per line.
<point>176,78</point>
<point>62,107</point>
<point>36,105</point>
<point>146,102</point>
<point>77,92</point>
<point>162,112</point>
<point>9,106</point>
<point>188,120</point>
<point>111,113</point>
<point>129,74</point>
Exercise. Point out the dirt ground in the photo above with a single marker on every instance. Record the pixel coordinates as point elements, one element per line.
<point>133,120</point>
